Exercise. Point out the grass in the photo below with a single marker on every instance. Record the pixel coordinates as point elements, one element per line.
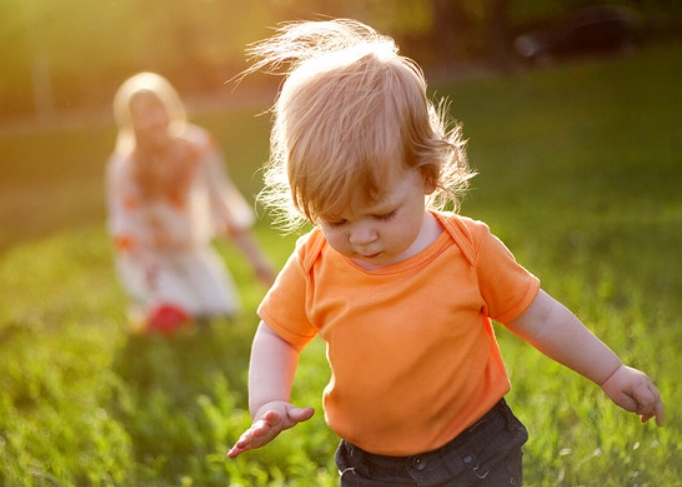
<point>579,169</point>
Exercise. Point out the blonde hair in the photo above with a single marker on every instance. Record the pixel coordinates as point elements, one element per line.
<point>158,86</point>
<point>349,110</point>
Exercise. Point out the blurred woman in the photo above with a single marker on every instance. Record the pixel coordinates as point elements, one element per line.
<point>169,195</point>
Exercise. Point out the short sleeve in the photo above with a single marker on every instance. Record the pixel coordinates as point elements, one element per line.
<point>284,307</point>
<point>508,289</point>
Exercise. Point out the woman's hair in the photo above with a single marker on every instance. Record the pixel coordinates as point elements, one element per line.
<point>350,112</point>
<point>161,88</point>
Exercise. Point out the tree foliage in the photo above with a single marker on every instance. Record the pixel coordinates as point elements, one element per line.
<point>72,54</point>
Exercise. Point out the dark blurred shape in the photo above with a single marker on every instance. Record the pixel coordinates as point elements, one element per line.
<point>596,29</point>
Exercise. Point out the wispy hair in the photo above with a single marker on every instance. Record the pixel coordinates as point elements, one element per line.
<point>350,112</point>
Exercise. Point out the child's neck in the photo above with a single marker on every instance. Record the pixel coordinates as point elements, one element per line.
<point>431,229</point>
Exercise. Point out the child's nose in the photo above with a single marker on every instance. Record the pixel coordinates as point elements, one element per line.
<point>362,234</point>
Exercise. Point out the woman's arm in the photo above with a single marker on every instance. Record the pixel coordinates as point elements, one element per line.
<point>271,375</point>
<point>556,332</point>
<point>246,243</point>
<point>232,216</point>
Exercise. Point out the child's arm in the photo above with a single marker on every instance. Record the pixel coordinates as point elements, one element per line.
<point>271,374</point>
<point>556,332</point>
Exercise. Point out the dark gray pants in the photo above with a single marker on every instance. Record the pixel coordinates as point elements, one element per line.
<point>486,454</point>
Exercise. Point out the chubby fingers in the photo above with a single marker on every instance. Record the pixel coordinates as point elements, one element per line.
<point>301,414</point>
<point>244,443</point>
<point>235,451</point>
<point>634,391</point>
<point>259,434</point>
<point>648,403</point>
<point>265,429</point>
<point>658,414</point>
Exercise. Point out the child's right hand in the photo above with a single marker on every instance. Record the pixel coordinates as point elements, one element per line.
<point>271,420</point>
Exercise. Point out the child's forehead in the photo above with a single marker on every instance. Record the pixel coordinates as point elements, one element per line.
<point>361,202</point>
<point>384,203</point>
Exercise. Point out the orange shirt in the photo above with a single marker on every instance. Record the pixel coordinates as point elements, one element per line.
<point>411,346</point>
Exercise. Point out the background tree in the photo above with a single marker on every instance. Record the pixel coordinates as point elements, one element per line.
<point>71,55</point>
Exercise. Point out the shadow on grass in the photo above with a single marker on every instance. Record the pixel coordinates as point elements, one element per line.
<point>179,394</point>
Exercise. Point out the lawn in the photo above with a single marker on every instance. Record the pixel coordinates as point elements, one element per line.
<point>579,173</point>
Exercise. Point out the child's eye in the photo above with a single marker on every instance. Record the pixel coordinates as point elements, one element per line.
<point>386,216</point>
<point>336,223</point>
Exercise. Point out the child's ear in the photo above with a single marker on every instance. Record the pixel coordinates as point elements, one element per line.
<point>429,183</point>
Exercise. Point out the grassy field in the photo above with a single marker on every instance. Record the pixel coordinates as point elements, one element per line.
<point>580,168</point>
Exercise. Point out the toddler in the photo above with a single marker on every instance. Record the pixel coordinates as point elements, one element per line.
<point>403,292</point>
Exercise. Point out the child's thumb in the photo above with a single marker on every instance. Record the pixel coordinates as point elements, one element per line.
<point>301,414</point>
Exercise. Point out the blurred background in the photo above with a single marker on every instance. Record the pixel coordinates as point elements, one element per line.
<point>66,58</point>
<point>62,62</point>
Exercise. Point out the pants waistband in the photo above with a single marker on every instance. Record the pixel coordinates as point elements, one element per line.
<point>500,413</point>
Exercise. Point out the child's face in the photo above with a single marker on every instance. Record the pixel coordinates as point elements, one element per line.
<point>386,232</point>
<point>150,120</point>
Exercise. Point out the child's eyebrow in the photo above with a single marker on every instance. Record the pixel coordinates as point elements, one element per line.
<point>384,210</point>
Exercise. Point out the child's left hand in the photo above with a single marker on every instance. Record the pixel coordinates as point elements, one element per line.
<point>633,391</point>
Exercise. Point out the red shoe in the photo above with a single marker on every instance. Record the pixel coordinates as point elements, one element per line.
<point>167,319</point>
